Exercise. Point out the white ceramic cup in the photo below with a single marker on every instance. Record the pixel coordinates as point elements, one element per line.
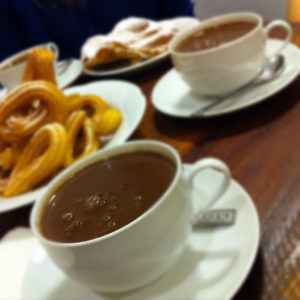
<point>12,68</point>
<point>221,70</point>
<point>141,251</point>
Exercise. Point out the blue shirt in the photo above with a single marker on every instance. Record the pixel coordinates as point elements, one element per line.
<point>24,23</point>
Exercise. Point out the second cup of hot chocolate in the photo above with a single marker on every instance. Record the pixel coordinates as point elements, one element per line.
<point>120,218</point>
<point>224,53</point>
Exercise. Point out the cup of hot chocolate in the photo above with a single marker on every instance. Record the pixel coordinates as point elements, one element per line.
<point>224,53</point>
<point>119,219</point>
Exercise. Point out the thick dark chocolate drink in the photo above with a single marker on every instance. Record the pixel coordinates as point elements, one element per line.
<point>215,36</point>
<point>106,196</point>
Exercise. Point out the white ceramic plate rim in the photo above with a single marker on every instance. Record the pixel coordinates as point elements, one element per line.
<point>241,106</point>
<point>28,198</point>
<point>129,69</point>
<point>254,251</point>
<point>72,73</point>
<point>255,246</point>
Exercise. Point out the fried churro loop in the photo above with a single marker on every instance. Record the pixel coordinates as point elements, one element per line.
<point>9,157</point>
<point>107,119</point>
<point>108,122</point>
<point>93,105</point>
<point>40,66</point>
<point>42,157</point>
<point>4,178</point>
<point>82,140</point>
<point>28,107</point>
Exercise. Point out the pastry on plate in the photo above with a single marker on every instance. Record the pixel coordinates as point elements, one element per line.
<point>132,40</point>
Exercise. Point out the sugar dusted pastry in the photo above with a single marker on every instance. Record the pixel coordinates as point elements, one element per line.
<point>107,49</point>
<point>132,24</point>
<point>133,39</point>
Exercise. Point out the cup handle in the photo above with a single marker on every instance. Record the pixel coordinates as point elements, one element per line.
<point>286,26</point>
<point>204,164</point>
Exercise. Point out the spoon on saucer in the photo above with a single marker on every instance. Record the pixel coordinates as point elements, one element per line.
<point>272,70</point>
<point>215,218</point>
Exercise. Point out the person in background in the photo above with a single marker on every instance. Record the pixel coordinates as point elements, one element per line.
<point>70,22</point>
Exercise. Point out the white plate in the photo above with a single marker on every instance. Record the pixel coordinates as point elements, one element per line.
<point>125,96</point>
<point>138,67</point>
<point>213,267</point>
<point>71,74</point>
<point>173,97</point>
<point>12,76</point>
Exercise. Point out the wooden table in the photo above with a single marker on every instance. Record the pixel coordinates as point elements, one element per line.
<point>261,146</point>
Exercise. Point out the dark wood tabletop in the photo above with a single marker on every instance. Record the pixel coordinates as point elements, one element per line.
<point>262,147</point>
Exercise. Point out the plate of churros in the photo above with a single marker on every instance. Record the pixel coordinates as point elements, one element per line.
<point>44,129</point>
<point>134,44</point>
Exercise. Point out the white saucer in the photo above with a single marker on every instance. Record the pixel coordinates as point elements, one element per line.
<point>173,97</point>
<point>213,267</point>
<point>126,96</point>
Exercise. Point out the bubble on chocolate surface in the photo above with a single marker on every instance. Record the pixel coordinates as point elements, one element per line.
<point>113,207</point>
<point>94,201</point>
<point>138,198</point>
<point>68,217</point>
<point>112,224</point>
<point>106,218</point>
<point>74,226</point>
